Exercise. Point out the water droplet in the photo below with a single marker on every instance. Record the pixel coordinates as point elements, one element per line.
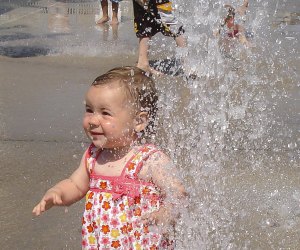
<point>292,145</point>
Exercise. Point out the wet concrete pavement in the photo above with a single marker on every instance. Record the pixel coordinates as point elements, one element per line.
<point>41,142</point>
<point>41,106</point>
<point>54,27</point>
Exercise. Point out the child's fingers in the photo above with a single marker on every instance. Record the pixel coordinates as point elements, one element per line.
<point>42,206</point>
<point>148,219</point>
<point>51,200</point>
<point>46,203</point>
<point>39,208</point>
<point>57,200</point>
<point>156,218</point>
<point>35,211</point>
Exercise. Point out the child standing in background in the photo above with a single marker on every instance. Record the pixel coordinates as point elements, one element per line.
<point>131,188</point>
<point>114,8</point>
<point>151,17</point>
<point>233,23</point>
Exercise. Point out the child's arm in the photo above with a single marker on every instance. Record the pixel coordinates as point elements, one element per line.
<point>161,171</point>
<point>242,9</point>
<point>228,6</point>
<point>241,36</point>
<point>67,191</point>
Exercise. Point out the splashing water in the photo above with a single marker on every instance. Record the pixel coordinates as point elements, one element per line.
<point>233,130</point>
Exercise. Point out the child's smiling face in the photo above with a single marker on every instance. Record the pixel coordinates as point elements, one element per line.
<point>109,119</point>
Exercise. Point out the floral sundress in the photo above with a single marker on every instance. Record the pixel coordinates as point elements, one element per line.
<point>114,206</point>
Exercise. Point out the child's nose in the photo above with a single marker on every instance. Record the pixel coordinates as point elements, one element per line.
<point>94,120</point>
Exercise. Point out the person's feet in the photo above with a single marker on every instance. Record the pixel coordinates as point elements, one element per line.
<point>103,19</point>
<point>114,21</point>
<point>147,68</point>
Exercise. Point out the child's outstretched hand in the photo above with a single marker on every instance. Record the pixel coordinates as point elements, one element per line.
<point>160,218</point>
<point>160,170</point>
<point>51,198</point>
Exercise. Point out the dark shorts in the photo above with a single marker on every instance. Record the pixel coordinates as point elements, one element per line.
<point>148,22</point>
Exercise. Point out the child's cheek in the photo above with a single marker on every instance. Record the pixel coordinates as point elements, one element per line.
<point>110,126</point>
<point>85,124</point>
<point>108,123</point>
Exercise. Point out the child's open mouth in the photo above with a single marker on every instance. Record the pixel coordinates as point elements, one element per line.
<point>96,133</point>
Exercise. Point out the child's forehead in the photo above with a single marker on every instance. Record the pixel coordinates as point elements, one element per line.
<point>118,89</point>
<point>108,86</point>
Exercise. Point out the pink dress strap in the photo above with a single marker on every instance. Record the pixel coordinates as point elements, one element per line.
<point>128,182</point>
<point>135,165</point>
<point>91,156</point>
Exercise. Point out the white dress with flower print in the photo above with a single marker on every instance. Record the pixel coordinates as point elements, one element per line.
<point>114,206</point>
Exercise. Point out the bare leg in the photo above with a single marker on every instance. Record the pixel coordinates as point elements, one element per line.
<point>243,40</point>
<point>104,18</point>
<point>115,8</point>
<point>181,52</point>
<point>180,41</point>
<point>143,61</point>
<point>241,36</point>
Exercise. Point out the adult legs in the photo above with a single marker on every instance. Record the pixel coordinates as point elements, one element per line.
<point>115,9</point>
<point>104,6</point>
<point>143,60</point>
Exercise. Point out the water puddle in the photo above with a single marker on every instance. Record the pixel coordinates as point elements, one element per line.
<point>65,28</point>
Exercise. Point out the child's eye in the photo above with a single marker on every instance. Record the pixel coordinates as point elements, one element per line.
<point>106,113</point>
<point>88,110</point>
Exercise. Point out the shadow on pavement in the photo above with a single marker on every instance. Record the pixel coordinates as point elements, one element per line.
<point>23,51</point>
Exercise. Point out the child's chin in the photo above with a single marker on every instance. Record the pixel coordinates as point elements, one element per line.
<point>99,144</point>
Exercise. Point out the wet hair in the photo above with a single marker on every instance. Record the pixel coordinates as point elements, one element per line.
<point>231,12</point>
<point>230,15</point>
<point>139,88</point>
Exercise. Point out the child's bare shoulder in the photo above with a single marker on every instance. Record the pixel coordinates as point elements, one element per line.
<point>160,169</point>
<point>157,163</point>
<point>159,158</point>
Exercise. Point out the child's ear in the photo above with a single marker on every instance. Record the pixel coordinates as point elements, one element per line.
<point>142,120</point>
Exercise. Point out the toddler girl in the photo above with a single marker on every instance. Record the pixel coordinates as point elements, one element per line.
<point>232,28</point>
<point>131,189</point>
